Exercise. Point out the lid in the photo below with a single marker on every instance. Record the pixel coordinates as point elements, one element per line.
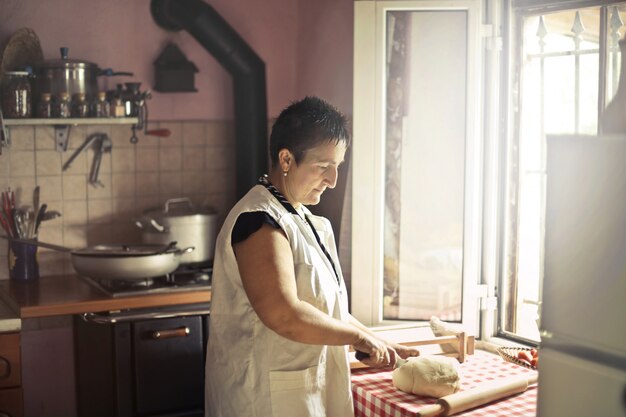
<point>125,250</point>
<point>67,63</point>
<point>180,207</point>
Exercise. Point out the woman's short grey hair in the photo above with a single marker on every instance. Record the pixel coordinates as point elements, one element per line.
<point>305,124</point>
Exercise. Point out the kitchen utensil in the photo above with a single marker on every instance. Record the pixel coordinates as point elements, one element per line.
<point>22,50</point>
<point>486,393</point>
<point>50,215</point>
<point>104,146</point>
<point>121,262</point>
<point>178,220</point>
<point>39,217</point>
<point>70,76</point>
<point>509,354</point>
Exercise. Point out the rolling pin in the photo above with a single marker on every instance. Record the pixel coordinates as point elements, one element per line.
<point>481,395</point>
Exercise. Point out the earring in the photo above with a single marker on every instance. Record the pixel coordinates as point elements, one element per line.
<point>285,173</point>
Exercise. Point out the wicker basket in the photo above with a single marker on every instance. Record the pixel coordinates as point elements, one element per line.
<point>509,354</point>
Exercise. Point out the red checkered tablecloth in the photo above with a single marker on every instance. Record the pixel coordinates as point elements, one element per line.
<point>375,395</point>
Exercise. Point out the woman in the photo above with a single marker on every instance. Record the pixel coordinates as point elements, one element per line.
<point>279,323</point>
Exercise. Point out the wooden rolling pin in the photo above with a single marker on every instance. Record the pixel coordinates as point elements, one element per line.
<point>481,395</point>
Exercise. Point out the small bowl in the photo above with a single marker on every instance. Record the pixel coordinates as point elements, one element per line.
<point>509,354</point>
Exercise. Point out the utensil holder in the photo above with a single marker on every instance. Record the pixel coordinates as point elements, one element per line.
<point>23,261</point>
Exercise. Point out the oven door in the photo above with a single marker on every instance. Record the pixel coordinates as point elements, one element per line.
<point>168,365</point>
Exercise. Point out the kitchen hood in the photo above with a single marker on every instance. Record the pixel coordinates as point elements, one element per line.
<point>248,72</point>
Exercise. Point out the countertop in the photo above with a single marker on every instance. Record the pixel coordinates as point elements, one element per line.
<point>9,320</point>
<point>68,294</point>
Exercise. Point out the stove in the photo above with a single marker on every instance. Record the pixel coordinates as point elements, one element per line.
<point>185,278</point>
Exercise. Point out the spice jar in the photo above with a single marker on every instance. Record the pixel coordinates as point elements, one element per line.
<point>80,106</point>
<point>16,95</point>
<point>61,107</point>
<point>101,106</point>
<point>44,107</point>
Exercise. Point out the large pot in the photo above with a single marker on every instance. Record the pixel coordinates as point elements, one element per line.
<point>70,76</point>
<point>123,262</point>
<point>178,220</point>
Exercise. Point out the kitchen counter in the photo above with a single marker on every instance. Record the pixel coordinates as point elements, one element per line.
<point>9,320</point>
<point>68,294</point>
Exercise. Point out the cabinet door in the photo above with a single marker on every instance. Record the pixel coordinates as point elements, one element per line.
<point>169,364</point>
<point>575,387</point>
<point>10,374</point>
<point>11,402</point>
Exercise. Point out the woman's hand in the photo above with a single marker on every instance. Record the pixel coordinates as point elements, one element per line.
<point>405,351</point>
<point>379,354</point>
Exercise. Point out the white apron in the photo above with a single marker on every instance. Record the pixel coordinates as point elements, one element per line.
<point>250,369</point>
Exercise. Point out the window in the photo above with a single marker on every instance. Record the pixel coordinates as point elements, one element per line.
<point>566,62</point>
<point>416,161</point>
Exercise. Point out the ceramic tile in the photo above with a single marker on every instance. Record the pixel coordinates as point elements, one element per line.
<point>123,160</point>
<point>147,160</point>
<point>120,136</point>
<point>48,163</point>
<point>170,159</point>
<point>193,134</point>
<point>53,223</point>
<point>75,187</point>
<point>22,138</point>
<point>74,213</point>
<point>77,136</point>
<point>98,234</point>
<point>176,134</point>
<point>148,203</point>
<point>219,133</point>
<point>4,163</point>
<point>124,209</point>
<point>51,262</point>
<point>146,184</point>
<point>105,162</point>
<point>99,211</point>
<point>102,190</point>
<point>50,188</point>
<point>23,187</point>
<point>123,185</point>
<point>219,182</point>
<point>44,138</point>
<point>220,157</point>
<point>170,184</point>
<point>50,234</point>
<point>78,166</point>
<point>125,234</point>
<point>193,158</point>
<point>75,237</point>
<point>22,163</point>
<point>193,182</point>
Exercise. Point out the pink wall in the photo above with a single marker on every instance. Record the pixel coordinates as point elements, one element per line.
<point>307,48</point>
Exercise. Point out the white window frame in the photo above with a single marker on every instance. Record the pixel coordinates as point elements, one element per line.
<point>369,150</point>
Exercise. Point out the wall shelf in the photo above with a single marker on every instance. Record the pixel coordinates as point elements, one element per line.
<point>73,121</point>
<point>62,126</point>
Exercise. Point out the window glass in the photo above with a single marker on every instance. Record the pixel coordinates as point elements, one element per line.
<point>424,164</point>
<point>560,78</point>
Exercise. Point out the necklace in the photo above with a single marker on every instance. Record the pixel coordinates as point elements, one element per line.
<point>264,181</point>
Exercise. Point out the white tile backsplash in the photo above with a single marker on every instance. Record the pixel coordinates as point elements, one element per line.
<point>135,177</point>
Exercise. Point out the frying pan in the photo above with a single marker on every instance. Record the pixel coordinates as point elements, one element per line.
<point>123,262</point>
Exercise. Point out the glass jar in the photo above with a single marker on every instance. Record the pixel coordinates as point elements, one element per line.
<point>16,95</point>
<point>61,107</point>
<point>80,106</point>
<point>101,107</point>
<point>44,107</point>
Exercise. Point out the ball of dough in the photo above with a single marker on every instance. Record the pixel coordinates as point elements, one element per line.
<point>431,376</point>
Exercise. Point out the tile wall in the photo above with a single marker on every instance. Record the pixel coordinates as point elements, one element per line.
<point>196,161</point>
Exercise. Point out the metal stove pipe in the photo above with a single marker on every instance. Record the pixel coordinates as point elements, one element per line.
<point>246,68</point>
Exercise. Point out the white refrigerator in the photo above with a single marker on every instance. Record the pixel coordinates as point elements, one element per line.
<point>582,360</point>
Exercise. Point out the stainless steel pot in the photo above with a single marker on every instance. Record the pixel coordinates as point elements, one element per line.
<point>180,221</point>
<point>70,76</point>
<point>123,262</point>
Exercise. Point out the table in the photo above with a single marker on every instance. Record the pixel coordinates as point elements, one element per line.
<point>375,396</point>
